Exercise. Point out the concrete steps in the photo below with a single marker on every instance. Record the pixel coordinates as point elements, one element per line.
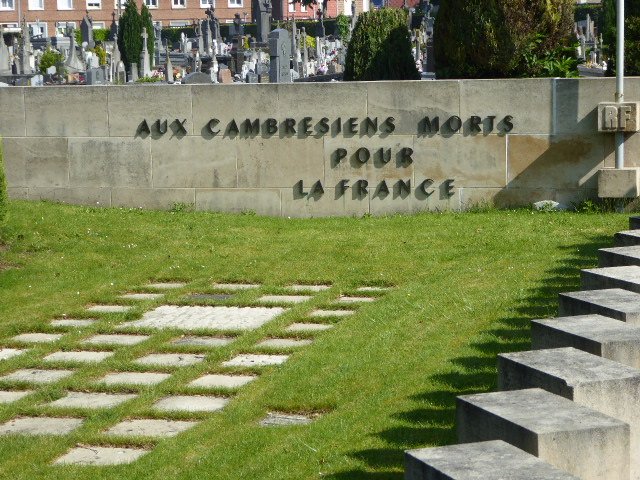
<point>614,302</point>
<point>627,238</point>
<point>627,278</point>
<point>634,223</point>
<point>619,256</point>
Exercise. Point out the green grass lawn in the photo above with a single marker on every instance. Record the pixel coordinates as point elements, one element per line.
<point>384,380</point>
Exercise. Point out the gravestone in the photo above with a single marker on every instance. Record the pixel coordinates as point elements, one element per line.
<point>5,64</point>
<point>121,74</point>
<point>96,76</point>
<point>280,54</point>
<point>86,28</point>
<point>263,20</point>
<point>37,81</point>
<point>224,76</point>
<point>252,78</point>
<point>168,66</point>
<point>236,29</point>
<point>197,78</point>
<point>73,63</point>
<point>25,50</point>
<point>145,61</point>
<point>158,45</point>
<point>113,30</point>
<point>133,74</point>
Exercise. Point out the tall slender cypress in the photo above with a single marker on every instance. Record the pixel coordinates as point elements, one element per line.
<point>129,38</point>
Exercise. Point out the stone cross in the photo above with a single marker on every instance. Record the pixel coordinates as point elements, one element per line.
<point>280,55</point>
<point>145,63</point>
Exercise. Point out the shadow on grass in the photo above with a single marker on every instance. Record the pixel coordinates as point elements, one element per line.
<point>434,423</point>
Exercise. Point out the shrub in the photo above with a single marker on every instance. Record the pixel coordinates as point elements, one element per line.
<point>3,191</point>
<point>380,48</point>
<point>342,26</point>
<point>129,39</point>
<point>51,58</point>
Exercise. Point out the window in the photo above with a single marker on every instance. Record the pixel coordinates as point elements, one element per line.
<point>303,8</point>
<point>94,5</point>
<point>7,5</point>
<point>178,3</point>
<point>98,26</point>
<point>61,27</point>
<point>206,3</point>
<point>151,3</point>
<point>122,4</point>
<point>65,4</point>
<point>292,7</point>
<point>36,4</point>
<point>38,29</point>
<point>235,4</point>
<point>179,23</point>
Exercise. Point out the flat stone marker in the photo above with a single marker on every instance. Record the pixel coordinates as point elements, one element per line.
<point>626,238</point>
<point>109,308</point>
<point>196,341</point>
<point>619,256</point>
<point>166,285</point>
<point>284,343</point>
<point>150,428</point>
<point>142,296</point>
<point>308,288</point>
<point>37,337</point>
<point>222,381</point>
<point>595,334</point>
<point>284,298</point>
<point>191,403</point>
<point>373,289</point>
<point>134,378</point>
<point>91,401</point>
<point>253,360</point>
<point>77,357</point>
<point>235,286</point>
<point>493,460</point>
<point>116,339</point>
<point>6,353</point>
<point>569,436</point>
<point>36,375</point>
<point>201,317</point>
<point>100,456</point>
<point>274,419</point>
<point>308,327</point>
<point>348,299</point>
<point>331,313</point>
<point>611,302</point>
<point>594,382</point>
<point>7,396</point>
<point>171,359</point>
<point>72,322</point>
<point>40,426</point>
<point>209,296</point>
<point>627,278</point>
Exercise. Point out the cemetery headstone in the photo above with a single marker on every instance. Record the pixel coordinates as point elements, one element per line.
<point>73,63</point>
<point>86,28</point>
<point>133,74</point>
<point>113,30</point>
<point>25,50</point>
<point>196,78</point>
<point>280,53</point>
<point>252,78</point>
<point>96,76</point>
<point>168,66</point>
<point>145,61</point>
<point>5,63</point>
<point>263,19</point>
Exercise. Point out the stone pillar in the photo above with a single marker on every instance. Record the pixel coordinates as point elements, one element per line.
<point>280,54</point>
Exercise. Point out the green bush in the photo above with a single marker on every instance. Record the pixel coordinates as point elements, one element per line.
<point>380,47</point>
<point>342,26</point>
<point>129,39</point>
<point>51,58</point>
<point>3,191</point>
<point>101,34</point>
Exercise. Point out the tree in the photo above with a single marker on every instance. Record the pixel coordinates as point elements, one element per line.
<point>147,22</point>
<point>380,47</point>
<point>129,39</point>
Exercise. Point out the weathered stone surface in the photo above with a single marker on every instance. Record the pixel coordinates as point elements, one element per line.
<point>171,359</point>
<point>255,360</point>
<point>619,256</point>
<point>627,278</point>
<point>569,436</point>
<point>222,381</point>
<point>331,313</point>
<point>373,289</point>
<point>40,426</point>
<point>150,428</point>
<point>627,238</point>
<point>235,286</point>
<point>77,357</point>
<point>166,285</point>
<point>94,196</point>
<point>284,298</point>
<point>492,460</point>
<point>8,396</point>
<point>201,317</point>
<point>109,308</point>
<point>190,403</point>
<point>261,201</point>
<point>278,419</point>
<point>116,339</point>
<point>37,337</point>
<point>347,100</point>
<point>134,378</point>
<point>349,299</point>
<point>209,296</point>
<point>142,296</point>
<point>616,303</point>
<point>619,183</point>
<point>36,162</point>
<point>308,288</point>
<point>36,375</point>
<point>308,327</point>
<point>100,456</point>
<point>595,334</point>
<point>152,198</point>
<point>12,122</point>
<point>574,116</point>
<point>283,343</point>
<point>92,401</point>
<point>72,322</point>
<point>6,353</point>
<point>332,203</point>
<point>202,341</point>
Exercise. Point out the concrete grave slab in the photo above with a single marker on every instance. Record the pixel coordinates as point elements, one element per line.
<point>284,343</point>
<point>71,322</point>
<point>109,308</point>
<point>133,378</point>
<point>209,296</point>
<point>196,341</point>
<point>255,360</point>
<point>284,419</point>
<point>150,428</point>
<point>331,313</point>
<point>619,256</point>
<point>308,327</point>
<point>627,278</point>
<point>201,317</point>
<point>40,426</point>
<point>116,339</point>
<point>166,285</point>
<point>6,353</point>
<point>8,396</point>
<point>595,334</point>
<point>100,456</point>
<point>236,286</point>
<point>626,238</point>
<point>284,298</point>
<point>222,381</point>
<point>348,299</point>
<point>37,337</point>
<point>492,460</point>
<point>569,436</point>
<point>170,359</point>
<point>373,289</point>
<point>308,288</point>
<point>92,401</point>
<point>77,357</point>
<point>190,403</point>
<point>35,375</point>
<point>142,296</point>
<point>615,303</point>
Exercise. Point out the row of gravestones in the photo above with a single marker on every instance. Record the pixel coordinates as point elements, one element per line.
<point>569,408</point>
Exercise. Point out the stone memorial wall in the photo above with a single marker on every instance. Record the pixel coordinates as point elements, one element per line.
<point>311,149</point>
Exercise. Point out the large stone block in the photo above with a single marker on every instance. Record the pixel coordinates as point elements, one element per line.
<point>109,162</point>
<point>92,196</point>
<point>619,256</point>
<point>328,204</point>
<point>603,385</point>
<point>262,202</point>
<point>595,334</point>
<point>36,162</point>
<point>152,198</point>
<point>618,117</point>
<point>528,101</point>
<point>571,437</point>
<point>331,100</point>
<point>626,238</point>
<point>66,112</point>
<point>12,107</point>
<point>634,223</point>
<point>618,183</point>
<point>129,105</point>
<point>627,278</point>
<point>492,460</point>
<point>616,303</point>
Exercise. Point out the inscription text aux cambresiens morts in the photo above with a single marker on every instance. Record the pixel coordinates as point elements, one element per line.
<point>347,127</point>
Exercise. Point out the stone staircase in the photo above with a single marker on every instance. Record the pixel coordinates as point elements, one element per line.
<point>569,408</point>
